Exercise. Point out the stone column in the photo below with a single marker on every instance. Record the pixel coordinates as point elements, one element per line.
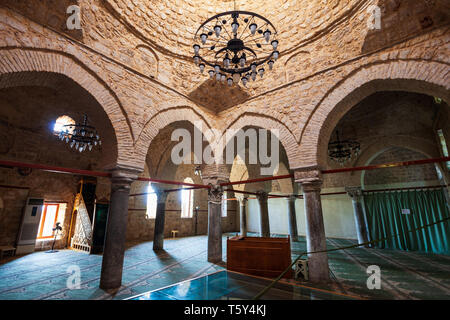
<point>158,236</point>
<point>114,249</point>
<point>360,221</point>
<point>263,214</point>
<point>292,218</point>
<point>310,180</point>
<point>243,200</point>
<point>215,194</point>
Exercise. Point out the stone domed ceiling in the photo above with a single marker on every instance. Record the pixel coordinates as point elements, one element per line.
<point>170,24</point>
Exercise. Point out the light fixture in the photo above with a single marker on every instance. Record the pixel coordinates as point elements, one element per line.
<point>343,151</point>
<point>81,136</point>
<point>238,48</point>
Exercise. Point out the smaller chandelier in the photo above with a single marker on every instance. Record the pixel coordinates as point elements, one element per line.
<point>343,151</point>
<point>80,136</point>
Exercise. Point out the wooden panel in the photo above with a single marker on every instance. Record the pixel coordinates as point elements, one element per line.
<point>265,257</point>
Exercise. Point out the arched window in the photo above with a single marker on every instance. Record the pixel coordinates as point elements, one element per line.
<point>61,122</point>
<point>224,204</point>
<point>152,201</point>
<point>187,201</point>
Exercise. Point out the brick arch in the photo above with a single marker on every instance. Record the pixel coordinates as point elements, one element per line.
<point>423,146</point>
<point>286,138</point>
<point>161,120</point>
<point>426,77</point>
<point>37,67</point>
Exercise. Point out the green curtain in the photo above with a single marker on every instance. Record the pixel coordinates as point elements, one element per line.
<point>385,219</point>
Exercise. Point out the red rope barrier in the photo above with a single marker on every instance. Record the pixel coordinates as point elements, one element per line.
<point>388,165</point>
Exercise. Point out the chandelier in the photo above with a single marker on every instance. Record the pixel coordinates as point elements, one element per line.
<point>236,45</point>
<point>343,151</point>
<point>80,136</point>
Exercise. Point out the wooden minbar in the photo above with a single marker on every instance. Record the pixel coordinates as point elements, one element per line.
<point>264,257</point>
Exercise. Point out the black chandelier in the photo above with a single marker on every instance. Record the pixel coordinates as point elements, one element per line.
<point>343,151</point>
<point>80,136</point>
<point>236,45</point>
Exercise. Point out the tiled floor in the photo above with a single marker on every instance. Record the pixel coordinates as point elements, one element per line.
<point>404,275</point>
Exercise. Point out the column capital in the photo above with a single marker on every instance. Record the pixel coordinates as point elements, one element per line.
<point>308,175</point>
<point>215,193</point>
<point>354,192</point>
<point>262,195</point>
<point>242,198</point>
<point>123,177</point>
<point>161,195</point>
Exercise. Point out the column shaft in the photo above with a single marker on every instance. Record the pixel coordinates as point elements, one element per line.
<point>215,224</point>
<point>114,249</point>
<point>360,222</point>
<point>158,237</point>
<point>264,214</point>
<point>292,219</point>
<point>242,215</point>
<point>315,233</point>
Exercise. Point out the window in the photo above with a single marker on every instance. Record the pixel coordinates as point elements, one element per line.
<point>224,204</point>
<point>443,146</point>
<point>152,202</point>
<point>48,221</point>
<point>187,201</point>
<point>61,122</point>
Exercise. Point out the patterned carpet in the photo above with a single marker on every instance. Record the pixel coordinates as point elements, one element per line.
<point>40,275</point>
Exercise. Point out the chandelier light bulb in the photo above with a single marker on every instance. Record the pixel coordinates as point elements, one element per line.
<point>217,68</point>
<point>271,63</point>
<point>274,44</point>
<point>202,67</point>
<point>196,60</point>
<point>276,54</point>
<point>261,72</point>
<point>203,37</point>
<point>217,30</point>
<point>196,49</point>
<point>244,81</point>
<point>242,61</point>
<point>253,28</point>
<point>253,67</point>
<point>253,76</point>
<point>211,73</point>
<point>223,78</point>
<point>267,34</point>
<point>218,76</point>
<point>230,82</point>
<point>226,62</point>
<point>234,27</point>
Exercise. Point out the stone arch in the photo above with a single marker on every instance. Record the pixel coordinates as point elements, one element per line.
<point>286,137</point>
<point>20,67</point>
<point>426,77</point>
<point>163,119</point>
<point>418,145</point>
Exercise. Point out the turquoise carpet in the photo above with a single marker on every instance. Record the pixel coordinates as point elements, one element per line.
<point>40,275</point>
